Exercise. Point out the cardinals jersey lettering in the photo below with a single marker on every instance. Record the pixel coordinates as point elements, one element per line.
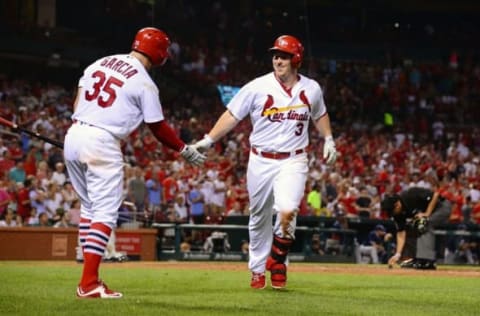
<point>280,119</point>
<point>117,95</point>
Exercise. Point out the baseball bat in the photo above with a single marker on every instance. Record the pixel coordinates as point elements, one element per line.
<point>15,127</point>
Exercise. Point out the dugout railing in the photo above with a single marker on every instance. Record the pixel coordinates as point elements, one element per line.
<point>311,244</point>
<point>316,241</point>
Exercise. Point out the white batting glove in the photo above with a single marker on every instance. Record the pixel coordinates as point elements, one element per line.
<point>192,155</point>
<point>203,144</point>
<point>329,150</point>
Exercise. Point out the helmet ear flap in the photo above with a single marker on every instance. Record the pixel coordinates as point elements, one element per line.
<point>296,60</point>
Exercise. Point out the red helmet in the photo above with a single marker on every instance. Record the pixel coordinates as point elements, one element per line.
<point>290,44</point>
<point>153,43</point>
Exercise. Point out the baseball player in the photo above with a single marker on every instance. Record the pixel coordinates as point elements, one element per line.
<point>405,207</point>
<point>280,104</point>
<point>115,94</point>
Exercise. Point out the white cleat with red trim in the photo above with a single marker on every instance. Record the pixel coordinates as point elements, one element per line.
<point>98,291</point>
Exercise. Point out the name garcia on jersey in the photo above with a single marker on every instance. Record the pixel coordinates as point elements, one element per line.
<point>120,66</point>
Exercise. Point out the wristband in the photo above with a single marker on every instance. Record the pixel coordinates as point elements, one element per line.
<point>208,139</point>
<point>328,138</point>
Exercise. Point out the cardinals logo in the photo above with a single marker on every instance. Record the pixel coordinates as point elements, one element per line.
<point>279,114</point>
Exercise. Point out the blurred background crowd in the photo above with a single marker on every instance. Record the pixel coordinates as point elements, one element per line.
<point>401,84</point>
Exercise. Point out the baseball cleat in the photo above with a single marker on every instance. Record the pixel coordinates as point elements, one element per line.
<point>425,265</point>
<point>100,290</point>
<point>408,264</point>
<point>258,281</point>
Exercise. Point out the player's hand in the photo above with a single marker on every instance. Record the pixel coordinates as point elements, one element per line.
<point>203,144</point>
<point>192,155</point>
<point>329,150</point>
<point>394,259</point>
<point>421,214</point>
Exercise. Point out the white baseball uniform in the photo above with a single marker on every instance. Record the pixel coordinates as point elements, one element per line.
<point>117,95</point>
<point>278,164</point>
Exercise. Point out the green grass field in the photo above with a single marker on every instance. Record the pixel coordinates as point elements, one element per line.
<point>39,288</point>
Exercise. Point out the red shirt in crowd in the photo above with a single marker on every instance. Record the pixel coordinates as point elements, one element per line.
<point>30,165</point>
<point>149,143</point>
<point>5,165</point>
<point>161,175</point>
<point>170,188</point>
<point>476,213</point>
<point>23,203</point>
<point>15,151</point>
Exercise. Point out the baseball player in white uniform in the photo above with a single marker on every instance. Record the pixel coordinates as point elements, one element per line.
<point>115,95</point>
<point>281,105</point>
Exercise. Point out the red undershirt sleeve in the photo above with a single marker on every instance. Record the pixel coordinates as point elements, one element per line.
<point>166,135</point>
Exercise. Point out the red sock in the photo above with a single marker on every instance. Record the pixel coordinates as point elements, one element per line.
<point>94,249</point>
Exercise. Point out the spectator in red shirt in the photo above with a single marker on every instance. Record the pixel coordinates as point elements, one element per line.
<point>15,150</point>
<point>225,166</point>
<point>30,163</point>
<point>475,216</point>
<point>346,198</point>
<point>159,171</point>
<point>5,197</point>
<point>170,188</point>
<point>23,199</point>
<point>150,143</point>
<point>5,164</point>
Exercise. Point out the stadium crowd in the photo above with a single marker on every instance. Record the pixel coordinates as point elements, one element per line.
<point>420,148</point>
<point>397,124</point>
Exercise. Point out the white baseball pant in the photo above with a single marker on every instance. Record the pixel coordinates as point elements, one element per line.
<point>274,186</point>
<point>94,162</point>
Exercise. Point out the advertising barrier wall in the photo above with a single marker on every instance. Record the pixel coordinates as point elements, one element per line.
<point>35,243</point>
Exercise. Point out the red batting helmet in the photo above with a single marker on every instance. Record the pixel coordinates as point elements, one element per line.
<point>153,43</point>
<point>290,44</point>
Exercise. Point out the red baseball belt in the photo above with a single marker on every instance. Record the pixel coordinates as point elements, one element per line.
<point>278,155</point>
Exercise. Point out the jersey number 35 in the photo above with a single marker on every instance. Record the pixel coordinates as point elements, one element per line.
<point>107,86</point>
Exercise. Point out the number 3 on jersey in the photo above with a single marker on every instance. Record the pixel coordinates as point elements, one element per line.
<point>107,86</point>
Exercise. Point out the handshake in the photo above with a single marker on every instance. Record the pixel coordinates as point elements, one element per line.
<point>193,153</point>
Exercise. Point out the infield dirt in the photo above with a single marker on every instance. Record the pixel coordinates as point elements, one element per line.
<point>452,271</point>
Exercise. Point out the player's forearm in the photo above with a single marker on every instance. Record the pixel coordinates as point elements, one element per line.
<point>225,123</point>
<point>323,125</point>
<point>401,236</point>
<point>166,135</point>
<point>77,97</point>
